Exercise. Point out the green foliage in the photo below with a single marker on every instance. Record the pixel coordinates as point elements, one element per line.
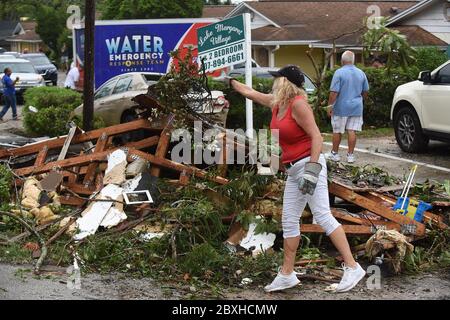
<point>236,116</point>
<point>54,108</point>
<point>150,9</point>
<point>244,186</point>
<point>203,258</point>
<point>429,58</point>
<point>5,184</point>
<point>390,43</point>
<point>98,121</point>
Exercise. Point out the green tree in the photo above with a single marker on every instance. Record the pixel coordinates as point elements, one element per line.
<point>388,42</point>
<point>13,10</point>
<point>150,9</point>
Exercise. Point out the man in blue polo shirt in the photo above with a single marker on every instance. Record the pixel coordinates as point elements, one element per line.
<point>9,94</point>
<point>349,88</point>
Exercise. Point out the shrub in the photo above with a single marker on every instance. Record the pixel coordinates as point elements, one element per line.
<point>54,107</point>
<point>429,58</point>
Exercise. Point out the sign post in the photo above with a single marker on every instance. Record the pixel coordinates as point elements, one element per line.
<point>227,43</point>
<point>248,74</point>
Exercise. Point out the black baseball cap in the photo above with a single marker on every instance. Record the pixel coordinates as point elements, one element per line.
<point>292,73</point>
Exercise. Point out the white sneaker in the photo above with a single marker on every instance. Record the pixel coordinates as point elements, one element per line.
<point>282,282</point>
<point>350,158</point>
<point>333,156</point>
<point>350,278</point>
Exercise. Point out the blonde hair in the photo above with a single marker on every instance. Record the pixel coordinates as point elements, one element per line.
<point>284,91</point>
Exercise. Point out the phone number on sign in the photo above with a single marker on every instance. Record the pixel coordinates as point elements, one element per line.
<point>223,61</point>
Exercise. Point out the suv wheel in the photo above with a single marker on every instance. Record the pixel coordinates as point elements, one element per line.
<point>408,131</point>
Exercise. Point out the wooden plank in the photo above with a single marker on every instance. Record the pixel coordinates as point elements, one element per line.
<point>373,206</point>
<point>85,159</point>
<point>79,188</point>
<point>169,164</point>
<point>67,142</point>
<point>101,145</point>
<point>80,138</point>
<point>427,216</point>
<point>223,167</point>
<point>163,146</point>
<point>349,229</point>
<point>72,201</point>
<point>42,155</point>
<point>364,221</point>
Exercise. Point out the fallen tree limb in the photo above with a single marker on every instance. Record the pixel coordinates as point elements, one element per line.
<point>33,231</point>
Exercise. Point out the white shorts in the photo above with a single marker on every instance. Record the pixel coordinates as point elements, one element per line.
<point>340,124</point>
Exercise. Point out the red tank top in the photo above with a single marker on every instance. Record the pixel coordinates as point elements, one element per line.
<point>293,140</point>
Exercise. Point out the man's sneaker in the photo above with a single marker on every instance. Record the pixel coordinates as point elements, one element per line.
<point>16,118</point>
<point>1,120</point>
<point>333,156</point>
<point>350,278</point>
<point>282,282</point>
<point>350,158</point>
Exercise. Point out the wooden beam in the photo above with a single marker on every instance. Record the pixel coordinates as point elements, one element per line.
<point>85,159</point>
<point>163,146</point>
<point>101,145</point>
<point>42,155</point>
<point>348,195</point>
<point>80,138</point>
<point>364,221</point>
<point>349,229</point>
<point>169,164</point>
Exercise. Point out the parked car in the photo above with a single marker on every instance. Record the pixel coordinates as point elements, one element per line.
<point>44,66</point>
<point>12,53</point>
<point>421,110</point>
<point>28,76</point>
<point>112,101</point>
<point>2,50</point>
<point>263,72</point>
<point>6,56</point>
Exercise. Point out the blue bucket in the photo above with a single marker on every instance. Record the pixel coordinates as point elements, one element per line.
<point>421,208</point>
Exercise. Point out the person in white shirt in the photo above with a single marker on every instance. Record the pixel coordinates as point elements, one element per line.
<point>72,77</point>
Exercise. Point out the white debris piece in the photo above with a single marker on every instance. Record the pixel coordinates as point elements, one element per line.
<point>131,185</point>
<point>93,216</point>
<point>332,287</point>
<point>113,217</point>
<point>261,242</point>
<point>115,172</point>
<point>151,235</point>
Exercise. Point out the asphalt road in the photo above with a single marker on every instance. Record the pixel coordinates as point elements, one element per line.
<point>18,282</point>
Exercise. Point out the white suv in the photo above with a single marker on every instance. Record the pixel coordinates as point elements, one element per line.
<point>421,110</point>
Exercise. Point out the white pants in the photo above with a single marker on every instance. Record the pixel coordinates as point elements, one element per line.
<point>294,201</point>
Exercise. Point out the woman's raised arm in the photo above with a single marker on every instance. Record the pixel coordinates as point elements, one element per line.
<point>258,97</point>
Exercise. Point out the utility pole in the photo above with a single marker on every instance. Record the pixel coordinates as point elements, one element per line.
<point>88,103</point>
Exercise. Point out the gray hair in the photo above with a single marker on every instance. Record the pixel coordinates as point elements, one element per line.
<point>348,57</point>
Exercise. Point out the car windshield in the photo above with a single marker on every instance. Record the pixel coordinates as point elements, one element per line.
<point>151,78</point>
<point>18,67</point>
<point>37,60</point>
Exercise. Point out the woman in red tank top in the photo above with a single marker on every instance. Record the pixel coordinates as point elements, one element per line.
<point>301,144</point>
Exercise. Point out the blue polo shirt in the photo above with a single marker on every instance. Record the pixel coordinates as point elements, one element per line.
<point>349,82</point>
<point>8,85</point>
